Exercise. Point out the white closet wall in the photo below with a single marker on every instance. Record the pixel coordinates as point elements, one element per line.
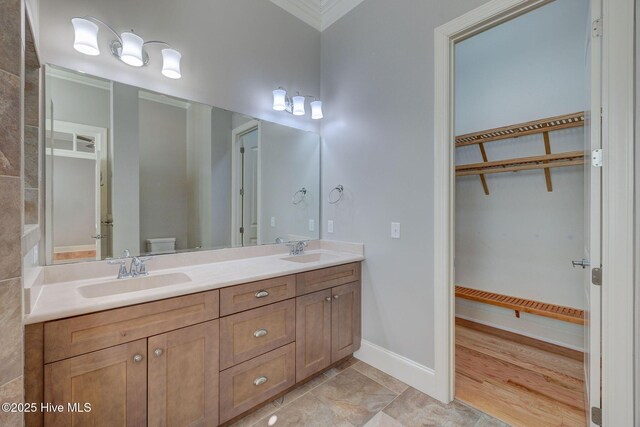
<point>520,239</point>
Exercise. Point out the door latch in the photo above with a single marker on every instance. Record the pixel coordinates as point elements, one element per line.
<point>584,263</point>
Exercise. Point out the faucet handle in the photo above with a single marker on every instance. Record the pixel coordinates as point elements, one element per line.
<point>142,267</point>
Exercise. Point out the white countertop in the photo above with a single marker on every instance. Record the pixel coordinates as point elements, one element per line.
<point>62,299</point>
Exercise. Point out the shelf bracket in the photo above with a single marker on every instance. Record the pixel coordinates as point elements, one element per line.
<point>547,171</point>
<point>482,178</point>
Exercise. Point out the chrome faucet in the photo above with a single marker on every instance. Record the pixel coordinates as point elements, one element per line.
<point>297,248</point>
<point>137,267</point>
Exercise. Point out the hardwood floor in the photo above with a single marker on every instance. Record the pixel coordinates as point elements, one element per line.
<point>519,380</point>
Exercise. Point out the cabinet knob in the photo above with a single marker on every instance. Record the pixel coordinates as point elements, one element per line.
<point>260,380</point>
<point>336,296</point>
<point>158,352</point>
<point>260,333</point>
<point>262,294</point>
<point>138,358</point>
<point>327,299</point>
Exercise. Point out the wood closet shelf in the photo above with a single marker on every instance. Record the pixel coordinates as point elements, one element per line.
<point>558,312</point>
<point>546,162</point>
<point>549,124</point>
<point>572,158</point>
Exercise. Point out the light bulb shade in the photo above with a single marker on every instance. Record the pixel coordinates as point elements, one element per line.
<point>171,63</point>
<point>298,105</point>
<point>86,36</point>
<point>279,99</point>
<point>316,110</point>
<point>132,49</point>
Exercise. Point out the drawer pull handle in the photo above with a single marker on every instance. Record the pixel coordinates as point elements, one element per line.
<point>327,299</point>
<point>262,294</point>
<point>336,296</point>
<point>260,380</point>
<point>158,352</point>
<point>260,333</point>
<point>138,358</point>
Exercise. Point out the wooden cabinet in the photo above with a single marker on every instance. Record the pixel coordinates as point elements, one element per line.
<point>183,377</point>
<point>254,381</point>
<point>313,333</point>
<point>113,381</point>
<point>328,328</point>
<point>175,362</point>
<point>346,322</point>
<point>251,333</point>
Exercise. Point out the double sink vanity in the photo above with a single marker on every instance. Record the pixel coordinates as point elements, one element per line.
<point>194,344</point>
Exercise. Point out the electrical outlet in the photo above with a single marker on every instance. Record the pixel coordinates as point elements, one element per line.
<point>273,221</point>
<point>395,230</point>
<point>312,225</point>
<point>330,226</point>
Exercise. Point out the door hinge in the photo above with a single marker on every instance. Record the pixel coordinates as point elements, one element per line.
<point>596,158</point>
<point>596,276</point>
<point>596,28</point>
<point>596,416</point>
<point>241,150</point>
<point>241,230</point>
<point>242,191</point>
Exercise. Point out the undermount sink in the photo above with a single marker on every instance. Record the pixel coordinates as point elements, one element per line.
<point>122,286</point>
<point>310,257</point>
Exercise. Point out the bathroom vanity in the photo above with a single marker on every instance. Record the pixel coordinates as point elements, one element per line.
<point>202,358</point>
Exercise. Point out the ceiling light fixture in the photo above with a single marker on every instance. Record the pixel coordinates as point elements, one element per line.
<point>127,47</point>
<point>296,105</point>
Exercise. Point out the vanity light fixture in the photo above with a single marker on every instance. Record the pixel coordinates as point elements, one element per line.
<point>127,47</point>
<point>296,105</point>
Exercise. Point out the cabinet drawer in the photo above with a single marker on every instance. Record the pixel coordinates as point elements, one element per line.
<point>251,333</point>
<point>251,383</point>
<point>317,280</point>
<point>256,294</point>
<point>78,335</point>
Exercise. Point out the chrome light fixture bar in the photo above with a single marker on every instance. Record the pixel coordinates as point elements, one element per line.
<point>127,47</point>
<point>296,105</point>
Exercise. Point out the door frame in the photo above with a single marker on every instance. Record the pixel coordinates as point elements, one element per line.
<point>617,201</point>
<point>101,173</point>
<point>236,133</point>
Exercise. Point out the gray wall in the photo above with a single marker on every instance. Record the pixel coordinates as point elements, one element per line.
<point>520,239</point>
<point>377,86</point>
<point>290,160</point>
<point>221,175</point>
<point>164,190</point>
<point>235,52</point>
<point>125,152</point>
<point>74,190</point>
<point>79,103</point>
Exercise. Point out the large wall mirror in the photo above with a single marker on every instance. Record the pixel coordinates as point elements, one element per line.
<point>131,169</point>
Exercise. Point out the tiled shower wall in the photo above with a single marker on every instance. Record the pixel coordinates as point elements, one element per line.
<point>11,206</point>
<point>31,129</point>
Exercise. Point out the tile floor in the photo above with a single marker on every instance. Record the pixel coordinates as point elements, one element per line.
<point>355,394</point>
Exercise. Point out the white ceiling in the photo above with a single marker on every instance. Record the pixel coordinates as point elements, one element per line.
<point>320,14</point>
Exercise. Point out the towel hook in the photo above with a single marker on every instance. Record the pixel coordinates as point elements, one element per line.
<point>333,199</point>
<point>299,196</point>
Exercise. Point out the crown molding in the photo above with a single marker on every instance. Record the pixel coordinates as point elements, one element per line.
<point>77,77</point>
<point>308,11</point>
<point>332,10</point>
<point>163,99</point>
<point>320,14</point>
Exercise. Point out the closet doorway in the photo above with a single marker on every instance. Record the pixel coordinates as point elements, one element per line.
<point>522,217</point>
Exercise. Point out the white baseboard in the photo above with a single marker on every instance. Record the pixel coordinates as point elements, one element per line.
<point>406,370</point>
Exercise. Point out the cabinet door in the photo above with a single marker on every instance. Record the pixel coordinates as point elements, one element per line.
<point>183,376</point>
<point>113,381</point>
<point>313,333</point>
<point>346,329</point>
